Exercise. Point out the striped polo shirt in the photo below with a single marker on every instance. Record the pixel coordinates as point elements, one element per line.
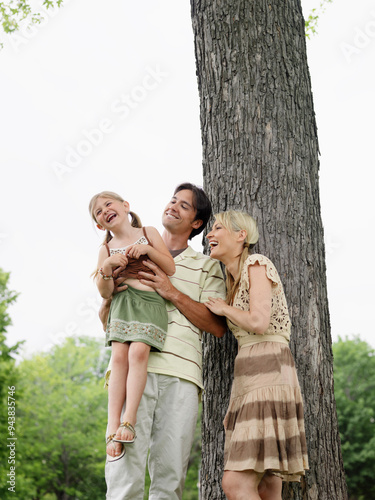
<point>198,277</point>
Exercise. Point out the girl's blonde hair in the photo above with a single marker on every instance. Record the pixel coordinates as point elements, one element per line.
<point>135,220</point>
<point>235,221</point>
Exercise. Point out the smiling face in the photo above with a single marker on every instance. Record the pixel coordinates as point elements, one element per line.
<point>225,245</point>
<point>179,215</point>
<point>109,212</point>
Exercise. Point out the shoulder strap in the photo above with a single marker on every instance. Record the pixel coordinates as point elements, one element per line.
<point>147,238</point>
<point>107,247</point>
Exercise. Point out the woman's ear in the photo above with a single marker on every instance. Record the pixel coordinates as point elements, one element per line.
<point>127,206</point>
<point>242,234</point>
<point>100,227</point>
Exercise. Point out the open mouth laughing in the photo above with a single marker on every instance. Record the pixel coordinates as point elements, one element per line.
<point>110,217</point>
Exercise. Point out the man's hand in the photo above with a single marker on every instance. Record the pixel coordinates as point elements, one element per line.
<point>118,282</point>
<point>196,312</point>
<point>159,282</point>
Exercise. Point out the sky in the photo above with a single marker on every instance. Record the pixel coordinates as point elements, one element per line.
<point>101,98</point>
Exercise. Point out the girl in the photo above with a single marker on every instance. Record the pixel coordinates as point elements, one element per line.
<point>264,428</point>
<point>137,319</point>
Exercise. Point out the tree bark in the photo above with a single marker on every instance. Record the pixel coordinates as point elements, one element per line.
<point>260,154</point>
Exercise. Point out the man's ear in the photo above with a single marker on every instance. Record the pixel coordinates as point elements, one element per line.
<point>100,227</point>
<point>196,224</point>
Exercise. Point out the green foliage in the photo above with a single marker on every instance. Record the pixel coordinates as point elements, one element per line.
<point>61,423</point>
<point>354,373</point>
<point>7,375</point>
<point>311,23</point>
<point>13,12</point>
<point>7,297</point>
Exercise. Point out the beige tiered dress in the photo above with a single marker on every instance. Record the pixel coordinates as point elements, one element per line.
<point>264,422</point>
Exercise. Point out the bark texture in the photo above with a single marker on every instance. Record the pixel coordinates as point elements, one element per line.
<point>260,154</point>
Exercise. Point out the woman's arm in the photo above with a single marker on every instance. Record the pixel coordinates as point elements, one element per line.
<point>257,319</point>
<point>157,252</point>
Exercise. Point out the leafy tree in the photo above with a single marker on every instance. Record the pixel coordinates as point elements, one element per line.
<point>62,422</point>
<point>13,12</point>
<point>311,23</point>
<point>7,377</point>
<point>354,372</point>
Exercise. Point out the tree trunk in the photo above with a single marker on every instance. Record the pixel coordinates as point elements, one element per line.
<point>260,154</point>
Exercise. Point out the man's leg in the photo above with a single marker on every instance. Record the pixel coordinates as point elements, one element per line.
<point>172,437</point>
<point>125,478</point>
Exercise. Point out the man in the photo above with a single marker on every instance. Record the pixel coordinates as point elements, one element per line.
<point>168,411</point>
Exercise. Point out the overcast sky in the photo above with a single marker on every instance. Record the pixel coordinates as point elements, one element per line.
<point>106,98</point>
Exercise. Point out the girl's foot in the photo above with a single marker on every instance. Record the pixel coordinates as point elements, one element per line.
<point>114,450</point>
<point>125,433</point>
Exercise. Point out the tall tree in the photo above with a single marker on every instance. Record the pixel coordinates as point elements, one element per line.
<point>260,154</point>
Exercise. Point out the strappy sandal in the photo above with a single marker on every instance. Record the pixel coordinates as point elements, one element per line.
<point>123,451</point>
<point>128,426</point>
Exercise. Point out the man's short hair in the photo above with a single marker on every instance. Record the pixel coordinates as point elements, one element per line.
<point>201,204</point>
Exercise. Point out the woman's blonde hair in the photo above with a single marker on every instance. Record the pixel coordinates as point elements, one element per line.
<point>135,220</point>
<point>235,221</point>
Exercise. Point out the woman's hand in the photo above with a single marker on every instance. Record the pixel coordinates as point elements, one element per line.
<point>217,306</point>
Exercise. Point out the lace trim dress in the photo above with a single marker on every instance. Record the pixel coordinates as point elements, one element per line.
<point>264,423</point>
<point>137,315</point>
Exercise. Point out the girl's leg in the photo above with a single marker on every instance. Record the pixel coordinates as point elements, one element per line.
<point>136,381</point>
<point>241,485</point>
<point>270,487</point>
<point>116,392</point>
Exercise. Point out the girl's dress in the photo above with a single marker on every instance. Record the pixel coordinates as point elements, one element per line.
<point>264,422</point>
<point>137,315</point>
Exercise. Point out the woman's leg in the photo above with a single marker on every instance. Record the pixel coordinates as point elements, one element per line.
<point>241,485</point>
<point>116,392</point>
<point>270,487</point>
<point>136,381</point>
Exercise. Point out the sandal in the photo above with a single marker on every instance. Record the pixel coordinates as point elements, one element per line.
<point>128,426</point>
<point>111,440</point>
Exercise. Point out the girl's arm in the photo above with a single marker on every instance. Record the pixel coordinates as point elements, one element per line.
<point>107,265</point>
<point>258,318</point>
<point>158,252</point>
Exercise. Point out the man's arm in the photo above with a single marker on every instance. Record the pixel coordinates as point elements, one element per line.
<point>196,312</point>
<point>104,311</point>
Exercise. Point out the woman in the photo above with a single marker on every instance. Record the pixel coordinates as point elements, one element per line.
<point>265,437</point>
